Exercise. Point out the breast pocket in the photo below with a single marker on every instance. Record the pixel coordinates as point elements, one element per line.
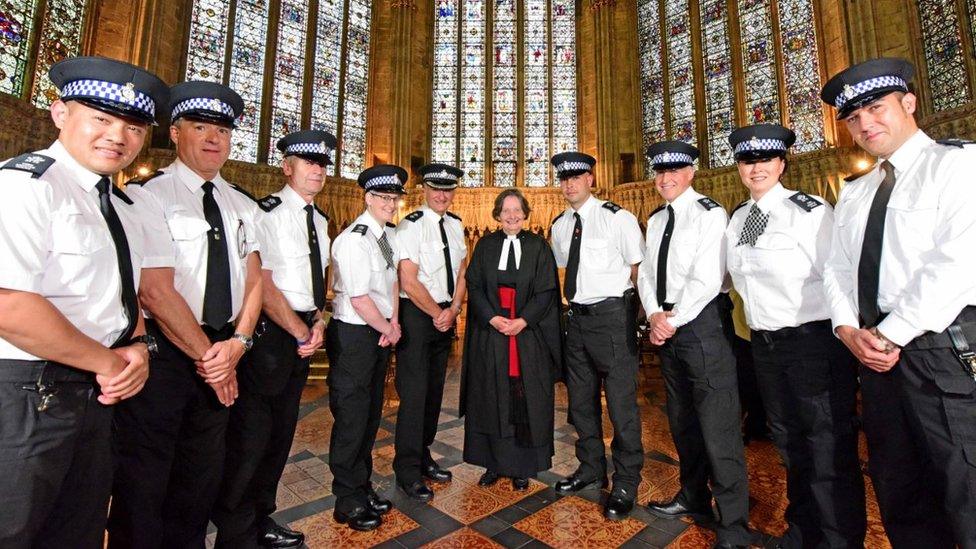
<point>187,228</point>
<point>296,266</point>
<point>914,224</point>
<point>595,252</point>
<point>774,242</point>
<point>77,243</point>
<point>432,256</point>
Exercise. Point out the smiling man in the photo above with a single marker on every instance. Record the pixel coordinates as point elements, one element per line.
<point>680,286</point>
<point>902,294</point>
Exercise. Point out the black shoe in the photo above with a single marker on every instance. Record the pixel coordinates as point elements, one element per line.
<point>434,473</point>
<point>490,477</point>
<point>417,490</point>
<point>379,505</point>
<point>362,519</point>
<point>619,504</point>
<point>574,483</point>
<point>272,534</point>
<point>520,484</point>
<point>678,508</point>
<point>727,545</point>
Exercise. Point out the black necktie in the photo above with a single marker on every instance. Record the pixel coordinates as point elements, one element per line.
<point>572,265</point>
<point>869,266</point>
<point>510,264</point>
<point>662,259</point>
<point>447,259</point>
<point>318,276</point>
<point>216,296</point>
<point>129,301</point>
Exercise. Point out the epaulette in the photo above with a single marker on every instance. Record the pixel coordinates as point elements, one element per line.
<point>325,215</point>
<point>555,219</point>
<point>454,215</point>
<point>391,225</point>
<point>242,191</point>
<point>805,201</point>
<point>612,207</point>
<point>121,195</point>
<point>414,216</point>
<point>140,182</point>
<point>32,163</point>
<point>269,203</point>
<point>658,209</point>
<point>708,203</point>
<point>955,142</point>
<point>737,208</point>
<point>857,175</point>
<point>361,229</point>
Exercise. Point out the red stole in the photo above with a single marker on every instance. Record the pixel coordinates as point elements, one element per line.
<point>506,298</point>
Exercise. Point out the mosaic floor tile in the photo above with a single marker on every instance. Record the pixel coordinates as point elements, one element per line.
<point>323,532</point>
<point>465,538</point>
<point>573,522</point>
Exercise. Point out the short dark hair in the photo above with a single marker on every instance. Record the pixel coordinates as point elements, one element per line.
<point>496,211</point>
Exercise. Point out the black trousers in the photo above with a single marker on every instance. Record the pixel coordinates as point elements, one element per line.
<point>703,413</point>
<point>259,436</point>
<point>169,450</point>
<point>57,464</point>
<point>357,373</point>
<point>601,351</point>
<point>808,381</point>
<point>920,423</point>
<point>422,355</point>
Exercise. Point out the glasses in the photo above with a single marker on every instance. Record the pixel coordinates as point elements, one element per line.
<point>387,198</point>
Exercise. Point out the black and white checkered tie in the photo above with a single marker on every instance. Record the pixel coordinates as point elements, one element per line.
<point>753,227</point>
<point>386,249</point>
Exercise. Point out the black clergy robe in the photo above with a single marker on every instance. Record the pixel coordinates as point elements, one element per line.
<point>485,397</point>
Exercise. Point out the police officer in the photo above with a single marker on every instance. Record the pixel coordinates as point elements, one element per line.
<point>72,340</point>
<point>432,264</point>
<point>170,440</point>
<point>600,245</point>
<point>900,284</point>
<point>294,239</point>
<point>681,290</point>
<point>363,331</point>
<point>777,243</point>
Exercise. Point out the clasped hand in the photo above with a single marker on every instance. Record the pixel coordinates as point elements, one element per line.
<point>661,329</point>
<point>129,375</point>
<point>508,326</point>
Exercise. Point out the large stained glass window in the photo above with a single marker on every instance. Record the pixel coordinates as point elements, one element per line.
<point>26,53</point>
<point>758,61</point>
<point>651,71</point>
<point>320,64</point>
<point>681,78</point>
<point>943,47</point>
<point>719,91</point>
<point>801,69</point>
<point>525,61</point>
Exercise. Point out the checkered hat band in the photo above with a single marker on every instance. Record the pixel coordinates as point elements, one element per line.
<point>672,158</point>
<point>573,166</point>
<point>383,180</point>
<point>871,84</point>
<point>443,174</point>
<point>202,104</point>
<point>308,148</point>
<point>760,145</point>
<point>109,91</point>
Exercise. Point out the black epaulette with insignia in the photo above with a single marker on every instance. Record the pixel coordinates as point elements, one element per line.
<point>737,208</point>
<point>414,216</point>
<point>32,163</point>
<point>325,215</point>
<point>612,207</point>
<point>708,203</point>
<point>805,201</point>
<point>361,229</point>
<point>242,191</point>
<point>859,174</point>
<point>142,181</point>
<point>555,219</point>
<point>658,209</point>
<point>955,142</point>
<point>269,203</point>
<point>121,195</point>
<point>454,215</point>
<point>391,225</point>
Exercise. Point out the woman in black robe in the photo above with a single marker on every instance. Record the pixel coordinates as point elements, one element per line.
<point>512,349</point>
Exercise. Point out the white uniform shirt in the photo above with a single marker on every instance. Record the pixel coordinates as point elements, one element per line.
<point>780,279</point>
<point>610,245</point>
<point>419,238</point>
<point>55,242</point>
<point>283,237</point>
<point>359,268</point>
<point>696,257</point>
<point>928,256</point>
<point>178,212</point>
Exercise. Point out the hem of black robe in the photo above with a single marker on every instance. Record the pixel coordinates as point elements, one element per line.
<point>504,456</point>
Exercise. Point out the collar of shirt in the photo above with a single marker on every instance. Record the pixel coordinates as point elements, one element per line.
<point>375,227</point>
<point>434,216</point>
<point>771,199</point>
<point>192,180</point>
<point>685,200</point>
<point>903,158</point>
<point>85,178</point>
<point>586,209</point>
<point>291,199</point>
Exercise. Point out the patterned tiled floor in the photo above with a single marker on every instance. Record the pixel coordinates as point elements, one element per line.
<point>465,515</point>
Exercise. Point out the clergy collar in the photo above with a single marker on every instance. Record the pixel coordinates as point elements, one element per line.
<point>85,178</point>
<point>292,199</point>
<point>772,197</point>
<point>192,180</point>
<point>375,226</point>
<point>902,158</point>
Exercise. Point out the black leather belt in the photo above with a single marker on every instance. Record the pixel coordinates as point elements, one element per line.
<point>808,328</point>
<point>943,340</point>
<point>308,317</point>
<point>43,371</point>
<point>609,305</point>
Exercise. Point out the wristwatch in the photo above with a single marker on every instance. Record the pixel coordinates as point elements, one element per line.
<point>149,341</point>
<point>247,341</point>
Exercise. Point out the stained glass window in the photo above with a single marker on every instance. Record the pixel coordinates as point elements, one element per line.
<point>472,108</point>
<point>247,74</point>
<point>651,71</point>
<point>504,139</point>
<point>60,37</point>
<point>719,90</point>
<point>535,121</point>
<point>286,100</point>
<point>681,80</point>
<point>801,67</point>
<point>758,61</point>
<point>942,44</point>
<point>16,31</point>
<point>444,120</point>
<point>563,76</point>
<point>327,67</point>
<point>353,132</point>
<point>207,50</point>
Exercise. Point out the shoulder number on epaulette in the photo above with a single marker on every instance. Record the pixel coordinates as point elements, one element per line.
<point>454,215</point>
<point>361,229</point>
<point>708,203</point>
<point>242,191</point>
<point>391,225</point>
<point>32,163</point>
<point>612,207</point>
<point>740,206</point>
<point>954,142</point>
<point>805,201</point>
<point>415,216</point>
<point>269,202</point>
<point>141,182</point>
